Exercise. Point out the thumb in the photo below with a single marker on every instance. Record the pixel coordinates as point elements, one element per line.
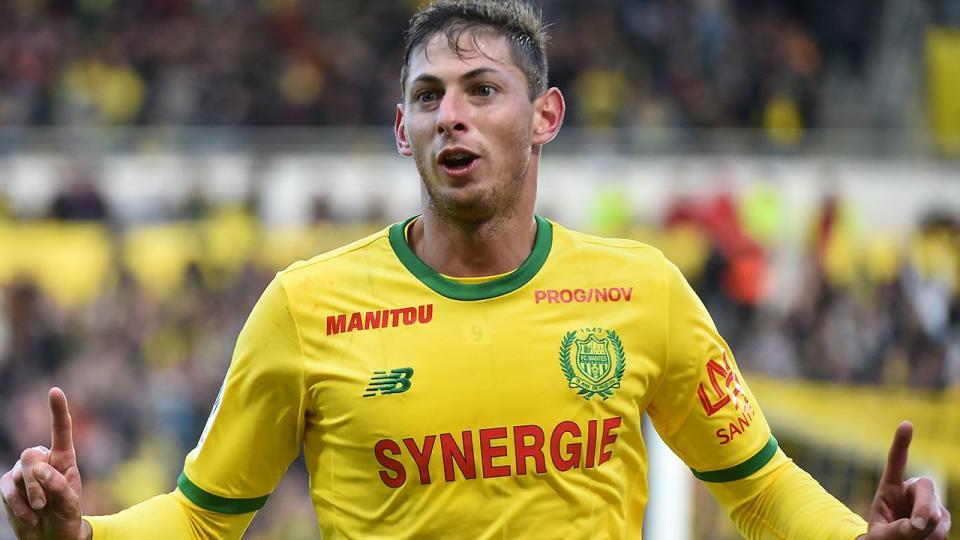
<point>61,498</point>
<point>62,515</point>
<point>900,529</point>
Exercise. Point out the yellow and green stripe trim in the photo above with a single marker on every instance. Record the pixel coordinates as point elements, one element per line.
<point>216,503</point>
<point>743,470</point>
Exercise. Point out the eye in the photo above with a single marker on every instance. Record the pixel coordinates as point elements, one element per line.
<point>484,90</point>
<point>426,96</point>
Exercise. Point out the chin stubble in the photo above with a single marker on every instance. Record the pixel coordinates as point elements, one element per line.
<point>498,200</point>
<point>476,205</point>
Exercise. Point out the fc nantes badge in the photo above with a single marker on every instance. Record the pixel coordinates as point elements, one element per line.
<point>593,361</point>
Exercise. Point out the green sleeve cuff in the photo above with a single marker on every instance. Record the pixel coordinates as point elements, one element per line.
<point>216,503</point>
<point>743,470</point>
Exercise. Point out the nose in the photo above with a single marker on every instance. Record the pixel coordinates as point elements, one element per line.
<point>451,115</point>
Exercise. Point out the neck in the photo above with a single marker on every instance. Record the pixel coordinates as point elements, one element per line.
<point>475,248</point>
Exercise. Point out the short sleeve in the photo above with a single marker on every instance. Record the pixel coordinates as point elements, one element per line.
<point>255,428</point>
<point>702,407</point>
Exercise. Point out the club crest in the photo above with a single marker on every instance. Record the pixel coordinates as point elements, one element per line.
<point>593,361</point>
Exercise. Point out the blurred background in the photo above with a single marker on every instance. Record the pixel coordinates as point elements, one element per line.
<point>160,160</point>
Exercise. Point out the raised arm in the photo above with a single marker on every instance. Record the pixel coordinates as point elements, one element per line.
<point>227,477</point>
<point>41,493</point>
<point>705,411</point>
<point>905,508</point>
<point>786,502</point>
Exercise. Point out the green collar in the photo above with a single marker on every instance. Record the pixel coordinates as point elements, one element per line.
<point>479,291</point>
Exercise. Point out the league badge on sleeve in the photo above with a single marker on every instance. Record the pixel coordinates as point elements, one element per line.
<point>593,361</point>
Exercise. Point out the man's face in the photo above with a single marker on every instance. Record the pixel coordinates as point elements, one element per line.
<point>467,121</point>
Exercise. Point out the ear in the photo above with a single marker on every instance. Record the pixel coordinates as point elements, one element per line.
<point>403,144</point>
<point>548,116</point>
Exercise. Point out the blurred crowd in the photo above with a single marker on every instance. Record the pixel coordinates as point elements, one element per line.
<point>873,313</point>
<point>141,374</point>
<point>699,63</point>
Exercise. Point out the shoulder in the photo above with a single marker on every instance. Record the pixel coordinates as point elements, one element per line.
<point>364,252</point>
<point>621,249</point>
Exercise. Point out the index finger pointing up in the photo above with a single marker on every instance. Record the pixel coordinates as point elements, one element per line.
<point>897,458</point>
<point>61,427</point>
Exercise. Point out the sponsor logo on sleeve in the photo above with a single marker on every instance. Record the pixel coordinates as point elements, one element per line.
<point>723,391</point>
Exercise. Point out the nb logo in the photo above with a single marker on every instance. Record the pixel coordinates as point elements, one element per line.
<point>395,382</point>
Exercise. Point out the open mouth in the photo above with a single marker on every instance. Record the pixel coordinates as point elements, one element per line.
<point>457,162</point>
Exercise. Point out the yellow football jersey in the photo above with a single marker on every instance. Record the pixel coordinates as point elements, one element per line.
<point>429,407</point>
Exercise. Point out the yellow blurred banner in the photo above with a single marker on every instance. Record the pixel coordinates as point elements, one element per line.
<point>73,263</point>
<point>943,77</point>
<point>158,256</point>
<point>862,419</point>
<point>219,245</point>
<point>69,262</point>
<point>279,247</point>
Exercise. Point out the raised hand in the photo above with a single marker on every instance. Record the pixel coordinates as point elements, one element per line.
<point>905,509</point>
<point>41,493</point>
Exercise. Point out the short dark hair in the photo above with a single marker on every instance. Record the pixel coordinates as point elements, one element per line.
<point>516,20</point>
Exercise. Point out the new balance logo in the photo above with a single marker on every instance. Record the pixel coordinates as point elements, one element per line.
<point>395,382</point>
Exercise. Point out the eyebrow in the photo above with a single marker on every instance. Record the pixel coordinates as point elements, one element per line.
<point>472,74</point>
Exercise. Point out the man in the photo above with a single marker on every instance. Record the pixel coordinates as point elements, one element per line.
<point>476,371</point>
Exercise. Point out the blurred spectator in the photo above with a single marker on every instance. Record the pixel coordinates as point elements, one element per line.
<point>895,324</point>
<point>733,283</point>
<point>79,200</point>
<point>102,90</point>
